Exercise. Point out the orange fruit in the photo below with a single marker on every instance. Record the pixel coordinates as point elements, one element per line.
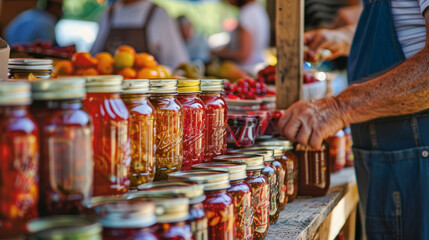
<point>145,60</point>
<point>128,73</point>
<point>105,67</point>
<point>125,48</point>
<point>64,67</point>
<point>124,60</point>
<point>86,72</point>
<point>147,73</point>
<point>83,60</point>
<point>163,71</point>
<point>105,57</point>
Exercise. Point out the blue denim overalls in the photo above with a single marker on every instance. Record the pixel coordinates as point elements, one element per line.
<point>392,162</point>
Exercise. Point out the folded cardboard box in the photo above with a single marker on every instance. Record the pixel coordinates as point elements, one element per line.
<point>4,59</point>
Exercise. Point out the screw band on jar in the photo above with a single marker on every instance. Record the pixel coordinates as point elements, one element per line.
<point>253,162</point>
<point>212,85</point>
<point>21,68</point>
<point>237,171</point>
<point>268,154</point>
<point>15,93</point>
<point>163,86</point>
<point>189,86</point>
<point>194,192</point>
<point>59,89</point>
<point>287,145</point>
<point>135,86</point>
<point>104,84</point>
<point>211,180</point>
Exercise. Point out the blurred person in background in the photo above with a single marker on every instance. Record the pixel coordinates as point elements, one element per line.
<point>251,37</point>
<point>144,26</point>
<point>36,24</point>
<point>196,44</point>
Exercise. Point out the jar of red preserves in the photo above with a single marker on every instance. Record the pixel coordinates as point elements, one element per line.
<point>19,155</point>
<point>112,155</point>
<point>349,145</point>
<point>240,193</point>
<point>194,115</point>
<point>260,190</point>
<point>65,133</point>
<point>142,131</point>
<point>172,223</point>
<point>218,204</point>
<point>337,151</point>
<point>169,127</point>
<point>216,118</point>
<point>314,174</point>
<point>194,192</point>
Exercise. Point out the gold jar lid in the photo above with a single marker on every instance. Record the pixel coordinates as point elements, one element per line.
<point>189,86</point>
<point>278,150</point>
<point>237,171</point>
<point>268,154</point>
<point>253,162</point>
<point>194,192</point>
<point>99,200</point>
<point>211,180</point>
<point>135,86</point>
<point>212,85</point>
<point>14,93</point>
<point>57,89</point>
<point>162,86</point>
<point>104,84</point>
<point>286,144</point>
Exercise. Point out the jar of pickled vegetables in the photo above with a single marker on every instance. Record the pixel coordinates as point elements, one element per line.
<point>30,68</point>
<point>216,118</point>
<point>260,190</point>
<point>195,194</point>
<point>240,193</point>
<point>112,148</point>
<point>169,127</point>
<point>349,145</point>
<point>218,204</point>
<point>142,131</point>
<point>172,220</point>
<point>194,117</point>
<point>19,160</point>
<point>314,174</point>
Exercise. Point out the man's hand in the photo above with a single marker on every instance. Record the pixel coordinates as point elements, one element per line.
<point>310,122</point>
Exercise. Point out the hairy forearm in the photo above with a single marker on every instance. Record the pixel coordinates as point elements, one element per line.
<point>403,90</point>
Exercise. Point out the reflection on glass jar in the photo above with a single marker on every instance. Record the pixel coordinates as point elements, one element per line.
<point>172,222</point>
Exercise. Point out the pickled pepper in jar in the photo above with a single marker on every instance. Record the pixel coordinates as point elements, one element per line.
<point>19,155</point>
<point>142,131</point>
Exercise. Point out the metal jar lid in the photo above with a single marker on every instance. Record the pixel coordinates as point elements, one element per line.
<point>278,150</point>
<point>211,180</point>
<point>163,86</point>
<point>189,86</point>
<point>253,162</point>
<point>30,64</point>
<point>104,84</point>
<point>64,227</point>
<point>237,171</point>
<point>57,89</point>
<point>14,93</point>
<point>286,144</point>
<point>135,86</point>
<point>212,85</point>
<point>268,154</point>
<point>194,192</point>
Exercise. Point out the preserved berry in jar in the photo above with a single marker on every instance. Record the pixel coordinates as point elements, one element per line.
<point>260,190</point>
<point>169,127</point>
<point>216,118</point>
<point>218,204</point>
<point>111,144</point>
<point>65,133</point>
<point>240,193</point>
<point>314,174</point>
<point>194,117</point>
<point>142,131</point>
<point>19,155</point>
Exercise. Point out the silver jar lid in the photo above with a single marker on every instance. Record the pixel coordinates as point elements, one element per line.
<point>58,89</point>
<point>193,191</point>
<point>268,154</point>
<point>30,64</point>
<point>237,171</point>
<point>135,86</point>
<point>253,162</point>
<point>14,93</point>
<point>104,84</point>
<point>211,180</point>
<point>212,85</point>
<point>163,86</point>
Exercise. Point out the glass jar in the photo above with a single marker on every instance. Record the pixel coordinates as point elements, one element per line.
<point>111,144</point>
<point>195,194</point>
<point>216,118</point>
<point>337,151</point>
<point>349,145</point>
<point>218,204</point>
<point>172,223</point>
<point>260,190</point>
<point>64,227</point>
<point>65,133</point>
<point>169,127</point>
<point>242,130</point>
<point>240,193</point>
<point>19,159</point>
<point>30,68</point>
<point>194,115</point>
<point>314,171</point>
<point>142,131</point>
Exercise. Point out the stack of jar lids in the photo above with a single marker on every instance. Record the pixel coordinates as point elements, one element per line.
<point>136,86</point>
<point>237,171</point>
<point>189,86</point>
<point>22,67</point>
<point>211,180</point>
<point>163,86</point>
<point>62,88</point>
<point>15,93</point>
<point>212,85</point>
<point>268,154</point>
<point>278,150</point>
<point>194,192</point>
<point>104,84</point>
<point>286,144</point>
<point>253,162</point>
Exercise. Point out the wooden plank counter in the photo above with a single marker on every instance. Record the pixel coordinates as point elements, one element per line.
<point>322,217</point>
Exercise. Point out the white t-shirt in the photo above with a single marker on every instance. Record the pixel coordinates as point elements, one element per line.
<point>410,24</point>
<point>164,38</point>
<point>254,19</point>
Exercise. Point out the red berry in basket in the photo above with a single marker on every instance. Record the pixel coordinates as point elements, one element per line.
<point>231,96</point>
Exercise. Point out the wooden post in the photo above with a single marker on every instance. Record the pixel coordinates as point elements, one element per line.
<point>289,43</point>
